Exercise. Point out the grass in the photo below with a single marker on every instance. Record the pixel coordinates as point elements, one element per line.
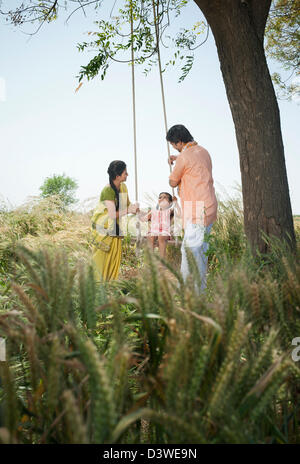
<point>144,359</point>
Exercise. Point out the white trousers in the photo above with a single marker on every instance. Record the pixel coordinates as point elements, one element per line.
<point>194,240</point>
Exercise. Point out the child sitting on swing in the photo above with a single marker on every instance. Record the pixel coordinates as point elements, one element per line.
<point>161,220</point>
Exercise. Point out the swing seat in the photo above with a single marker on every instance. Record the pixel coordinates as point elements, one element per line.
<point>173,241</point>
<point>170,241</point>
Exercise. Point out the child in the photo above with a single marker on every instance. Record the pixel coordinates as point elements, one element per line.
<point>161,219</point>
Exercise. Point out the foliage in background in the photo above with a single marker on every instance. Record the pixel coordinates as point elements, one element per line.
<point>283,44</point>
<point>62,186</point>
<point>227,241</point>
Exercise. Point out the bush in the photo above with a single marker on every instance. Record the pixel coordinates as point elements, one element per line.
<point>62,186</point>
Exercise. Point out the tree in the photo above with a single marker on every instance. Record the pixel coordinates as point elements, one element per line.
<point>283,43</point>
<point>238,27</point>
<point>60,185</point>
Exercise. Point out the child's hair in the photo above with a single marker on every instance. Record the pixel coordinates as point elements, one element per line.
<point>170,198</point>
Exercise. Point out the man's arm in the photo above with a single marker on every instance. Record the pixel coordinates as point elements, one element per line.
<point>173,183</point>
<point>177,172</point>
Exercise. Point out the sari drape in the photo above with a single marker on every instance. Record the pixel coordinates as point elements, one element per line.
<point>107,249</point>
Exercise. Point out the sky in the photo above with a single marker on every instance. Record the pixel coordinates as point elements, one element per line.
<point>47,128</point>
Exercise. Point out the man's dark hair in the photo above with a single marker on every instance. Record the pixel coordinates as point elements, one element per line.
<point>179,133</point>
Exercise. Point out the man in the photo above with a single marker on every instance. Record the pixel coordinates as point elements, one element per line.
<point>193,176</point>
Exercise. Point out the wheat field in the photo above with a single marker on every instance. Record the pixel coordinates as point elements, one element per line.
<point>145,359</point>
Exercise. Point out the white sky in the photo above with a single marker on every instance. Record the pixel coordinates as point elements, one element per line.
<point>46,128</point>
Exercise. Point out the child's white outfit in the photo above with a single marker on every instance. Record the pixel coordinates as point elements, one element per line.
<point>160,222</point>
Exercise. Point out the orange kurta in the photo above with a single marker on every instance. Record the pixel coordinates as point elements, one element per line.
<point>193,169</point>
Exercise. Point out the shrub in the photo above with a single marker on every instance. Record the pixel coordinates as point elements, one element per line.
<point>62,186</point>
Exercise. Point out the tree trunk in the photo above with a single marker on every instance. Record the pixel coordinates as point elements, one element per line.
<point>238,28</point>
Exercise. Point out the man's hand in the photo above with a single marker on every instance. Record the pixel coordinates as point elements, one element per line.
<point>174,199</point>
<point>171,159</point>
<point>173,183</point>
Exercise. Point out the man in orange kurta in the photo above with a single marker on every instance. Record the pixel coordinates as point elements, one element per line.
<point>193,176</point>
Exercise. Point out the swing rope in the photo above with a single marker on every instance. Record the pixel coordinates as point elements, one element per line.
<point>161,79</point>
<point>133,105</point>
<point>155,15</point>
<point>138,224</point>
<point>156,25</point>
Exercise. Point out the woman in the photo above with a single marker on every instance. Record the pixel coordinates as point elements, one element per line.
<point>114,203</point>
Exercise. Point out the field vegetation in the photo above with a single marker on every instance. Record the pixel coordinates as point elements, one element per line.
<point>145,359</point>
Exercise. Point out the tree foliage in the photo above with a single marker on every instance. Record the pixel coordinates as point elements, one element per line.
<point>60,185</point>
<point>33,10</point>
<point>283,44</point>
<point>114,39</point>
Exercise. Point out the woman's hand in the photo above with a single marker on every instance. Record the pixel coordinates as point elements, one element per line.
<point>133,208</point>
<point>145,216</point>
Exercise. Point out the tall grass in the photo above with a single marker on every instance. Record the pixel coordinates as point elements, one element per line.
<point>148,359</point>
<point>39,223</point>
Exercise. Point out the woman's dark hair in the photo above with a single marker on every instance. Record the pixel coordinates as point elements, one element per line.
<point>179,133</point>
<point>116,168</point>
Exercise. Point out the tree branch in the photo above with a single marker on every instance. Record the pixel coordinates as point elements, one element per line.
<point>258,11</point>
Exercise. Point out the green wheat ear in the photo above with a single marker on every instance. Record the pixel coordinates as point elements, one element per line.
<point>176,372</point>
<point>54,375</point>
<point>10,402</point>
<point>168,302</point>
<point>272,386</point>
<point>197,376</point>
<point>102,404</point>
<point>75,426</point>
<point>87,297</point>
<point>178,430</point>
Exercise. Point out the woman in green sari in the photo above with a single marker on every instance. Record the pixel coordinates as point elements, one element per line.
<point>114,203</point>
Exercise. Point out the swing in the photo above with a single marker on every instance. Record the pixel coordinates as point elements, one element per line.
<point>138,226</point>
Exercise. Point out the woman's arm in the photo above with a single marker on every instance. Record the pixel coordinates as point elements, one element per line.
<point>145,216</point>
<point>113,214</point>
